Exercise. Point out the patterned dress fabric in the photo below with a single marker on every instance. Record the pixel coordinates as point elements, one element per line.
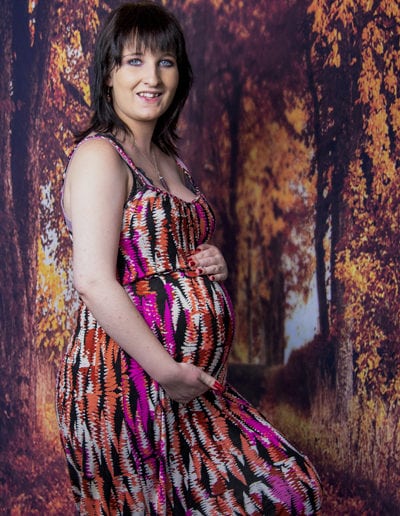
<point>129,448</point>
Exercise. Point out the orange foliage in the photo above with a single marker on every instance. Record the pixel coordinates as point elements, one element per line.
<point>367,258</point>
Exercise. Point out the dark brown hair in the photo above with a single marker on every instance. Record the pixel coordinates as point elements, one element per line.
<point>152,27</point>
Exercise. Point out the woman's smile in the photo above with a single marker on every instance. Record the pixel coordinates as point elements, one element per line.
<point>149,94</point>
<point>149,97</point>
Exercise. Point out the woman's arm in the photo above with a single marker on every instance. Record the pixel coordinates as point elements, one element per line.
<point>95,191</point>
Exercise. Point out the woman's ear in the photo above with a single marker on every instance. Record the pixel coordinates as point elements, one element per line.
<point>109,94</point>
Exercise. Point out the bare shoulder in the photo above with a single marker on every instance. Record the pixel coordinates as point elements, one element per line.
<point>96,161</point>
<point>96,171</point>
<point>95,154</point>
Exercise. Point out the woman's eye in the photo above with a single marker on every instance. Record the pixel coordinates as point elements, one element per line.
<point>167,63</point>
<point>135,61</point>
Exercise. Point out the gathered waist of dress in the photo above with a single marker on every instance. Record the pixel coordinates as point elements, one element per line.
<point>134,265</point>
<point>181,272</point>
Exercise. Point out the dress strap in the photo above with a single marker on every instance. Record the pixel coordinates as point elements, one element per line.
<point>121,151</point>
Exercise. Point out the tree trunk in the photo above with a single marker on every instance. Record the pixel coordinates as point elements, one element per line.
<point>349,128</point>
<point>274,309</point>
<point>22,67</point>
<point>229,216</point>
<point>322,202</point>
<point>15,374</point>
<point>342,339</point>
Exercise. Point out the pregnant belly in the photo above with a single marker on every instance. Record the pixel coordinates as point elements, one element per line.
<point>192,317</point>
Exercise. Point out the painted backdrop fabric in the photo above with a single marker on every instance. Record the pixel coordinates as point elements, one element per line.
<point>292,131</point>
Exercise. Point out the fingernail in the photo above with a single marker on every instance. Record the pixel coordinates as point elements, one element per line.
<point>218,387</point>
<point>200,270</point>
<point>212,278</point>
<point>192,263</point>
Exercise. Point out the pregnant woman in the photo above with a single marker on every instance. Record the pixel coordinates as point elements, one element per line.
<point>147,423</point>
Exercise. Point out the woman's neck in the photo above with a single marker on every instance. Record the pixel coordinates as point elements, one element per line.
<point>141,141</point>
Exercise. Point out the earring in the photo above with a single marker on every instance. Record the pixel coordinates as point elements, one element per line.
<point>108,94</point>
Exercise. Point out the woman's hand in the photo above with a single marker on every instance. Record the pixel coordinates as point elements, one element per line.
<point>188,382</point>
<point>208,261</point>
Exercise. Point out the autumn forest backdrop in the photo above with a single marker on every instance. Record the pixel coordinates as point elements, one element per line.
<point>293,132</point>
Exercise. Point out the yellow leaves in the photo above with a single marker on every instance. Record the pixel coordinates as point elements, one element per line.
<point>248,102</point>
<point>32,27</point>
<point>334,59</point>
<point>379,144</point>
<point>368,82</point>
<point>32,4</point>
<point>75,40</point>
<point>86,92</point>
<point>377,80</point>
<point>391,9</point>
<point>217,3</point>
<point>58,57</point>
<point>57,65</point>
<point>379,47</point>
<point>356,272</point>
<point>51,311</point>
<point>273,175</point>
<point>344,11</point>
<point>319,9</point>
<point>356,192</point>
<point>297,116</point>
<point>274,207</point>
<point>94,21</point>
<point>371,290</point>
<point>367,5</point>
<point>368,362</point>
<point>333,38</point>
<point>76,71</point>
<point>68,63</point>
<point>390,81</point>
<point>395,116</point>
<point>375,74</point>
<point>327,20</point>
<point>373,37</point>
<point>330,20</point>
<point>364,47</point>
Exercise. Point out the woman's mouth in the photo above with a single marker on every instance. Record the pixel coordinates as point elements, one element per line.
<point>149,94</point>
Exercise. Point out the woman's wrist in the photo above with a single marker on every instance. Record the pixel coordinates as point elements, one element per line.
<point>165,371</point>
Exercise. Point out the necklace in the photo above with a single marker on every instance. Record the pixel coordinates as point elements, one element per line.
<point>154,164</point>
<point>161,178</point>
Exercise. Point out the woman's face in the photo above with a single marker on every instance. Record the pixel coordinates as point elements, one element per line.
<point>144,85</point>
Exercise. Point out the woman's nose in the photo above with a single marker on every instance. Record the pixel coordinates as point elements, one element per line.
<point>151,76</point>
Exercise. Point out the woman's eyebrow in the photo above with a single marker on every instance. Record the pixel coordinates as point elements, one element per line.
<point>134,53</point>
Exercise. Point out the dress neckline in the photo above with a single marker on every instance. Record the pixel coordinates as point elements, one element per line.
<point>147,180</point>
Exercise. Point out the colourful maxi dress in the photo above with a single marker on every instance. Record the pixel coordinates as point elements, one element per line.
<point>132,450</point>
